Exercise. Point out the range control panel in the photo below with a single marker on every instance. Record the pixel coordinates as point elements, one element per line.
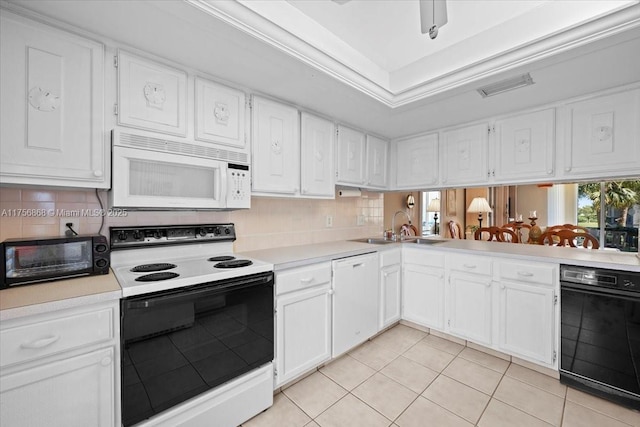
<point>130,237</point>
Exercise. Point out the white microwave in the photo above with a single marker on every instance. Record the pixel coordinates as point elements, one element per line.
<point>160,174</point>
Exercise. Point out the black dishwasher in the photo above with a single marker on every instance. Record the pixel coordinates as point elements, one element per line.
<point>600,332</point>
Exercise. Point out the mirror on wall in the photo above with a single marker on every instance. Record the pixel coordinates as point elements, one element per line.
<point>615,226</point>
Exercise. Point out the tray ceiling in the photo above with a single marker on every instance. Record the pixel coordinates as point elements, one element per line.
<point>377,47</point>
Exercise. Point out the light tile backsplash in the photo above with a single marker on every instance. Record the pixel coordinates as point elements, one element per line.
<point>270,223</point>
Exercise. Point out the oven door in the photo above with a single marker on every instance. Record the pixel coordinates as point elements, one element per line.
<point>180,343</point>
<point>600,347</point>
<point>151,179</point>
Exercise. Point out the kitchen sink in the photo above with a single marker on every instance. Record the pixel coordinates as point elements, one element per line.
<point>420,241</point>
<point>373,240</point>
<point>381,241</point>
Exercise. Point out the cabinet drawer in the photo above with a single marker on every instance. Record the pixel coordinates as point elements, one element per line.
<point>470,264</point>
<point>424,257</point>
<point>388,258</point>
<point>301,278</point>
<point>36,340</point>
<point>528,272</point>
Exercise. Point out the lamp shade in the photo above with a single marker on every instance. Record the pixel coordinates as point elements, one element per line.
<point>434,205</point>
<point>478,205</point>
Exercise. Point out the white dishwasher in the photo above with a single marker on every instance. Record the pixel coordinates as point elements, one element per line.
<point>355,301</point>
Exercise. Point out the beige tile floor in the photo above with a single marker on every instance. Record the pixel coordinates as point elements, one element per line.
<point>408,378</point>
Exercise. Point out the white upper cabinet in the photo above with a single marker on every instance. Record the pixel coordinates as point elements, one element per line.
<point>362,159</point>
<point>52,121</point>
<point>351,154</point>
<point>523,146</point>
<point>220,114</point>
<point>276,147</point>
<point>416,162</point>
<point>601,136</point>
<point>464,155</point>
<point>317,139</point>
<point>151,96</point>
<point>376,164</point>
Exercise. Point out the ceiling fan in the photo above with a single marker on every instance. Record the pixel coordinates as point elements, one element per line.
<point>433,15</point>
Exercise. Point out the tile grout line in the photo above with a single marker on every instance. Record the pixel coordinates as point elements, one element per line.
<point>493,393</point>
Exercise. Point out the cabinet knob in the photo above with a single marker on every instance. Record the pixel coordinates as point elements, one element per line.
<point>567,169</point>
<point>106,361</point>
<point>97,173</point>
<point>550,171</point>
<point>330,292</point>
<point>488,284</point>
<point>502,287</point>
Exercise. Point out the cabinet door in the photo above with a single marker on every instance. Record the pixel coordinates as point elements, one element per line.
<point>77,391</point>
<point>220,114</point>
<point>603,136</point>
<point>523,148</point>
<point>276,145</point>
<point>390,286</point>
<point>303,331</point>
<point>526,314</point>
<point>351,145</point>
<point>423,296</point>
<point>417,161</point>
<point>464,159</point>
<point>151,96</point>
<point>52,120</point>
<point>377,153</point>
<point>355,301</point>
<point>470,307</point>
<point>317,140</point>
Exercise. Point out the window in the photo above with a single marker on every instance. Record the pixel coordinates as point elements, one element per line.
<point>615,226</point>
<point>429,217</point>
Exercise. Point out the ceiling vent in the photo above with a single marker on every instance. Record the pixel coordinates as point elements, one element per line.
<point>506,85</point>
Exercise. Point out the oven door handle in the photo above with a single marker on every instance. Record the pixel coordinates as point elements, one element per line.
<point>189,293</point>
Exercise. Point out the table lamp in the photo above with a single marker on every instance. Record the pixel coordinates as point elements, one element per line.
<point>434,206</point>
<point>479,205</point>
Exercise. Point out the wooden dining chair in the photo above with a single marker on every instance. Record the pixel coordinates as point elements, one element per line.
<point>565,237</point>
<point>576,228</point>
<point>455,232</point>
<point>409,230</point>
<point>522,232</point>
<point>496,233</point>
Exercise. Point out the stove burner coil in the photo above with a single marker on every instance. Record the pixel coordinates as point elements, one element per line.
<point>155,277</point>
<point>222,258</point>
<point>147,268</point>
<point>234,263</point>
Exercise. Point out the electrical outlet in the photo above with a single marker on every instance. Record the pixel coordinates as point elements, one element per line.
<point>329,221</point>
<point>64,230</point>
<point>360,220</point>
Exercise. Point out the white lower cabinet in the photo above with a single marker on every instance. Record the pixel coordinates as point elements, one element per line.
<point>61,368</point>
<point>390,287</point>
<point>423,288</point>
<point>527,311</point>
<point>303,320</point>
<point>470,307</point>
<point>355,301</point>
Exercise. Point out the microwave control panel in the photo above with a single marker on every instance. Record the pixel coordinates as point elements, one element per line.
<point>238,186</point>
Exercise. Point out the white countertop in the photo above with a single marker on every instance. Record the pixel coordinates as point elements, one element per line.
<point>296,256</point>
<point>33,299</point>
<point>45,297</point>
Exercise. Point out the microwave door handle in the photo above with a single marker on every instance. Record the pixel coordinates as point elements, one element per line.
<point>223,185</point>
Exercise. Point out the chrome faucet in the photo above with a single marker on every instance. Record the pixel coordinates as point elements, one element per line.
<point>393,224</point>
